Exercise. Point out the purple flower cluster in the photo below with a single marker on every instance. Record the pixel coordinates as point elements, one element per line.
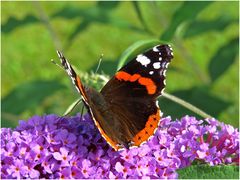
<point>61,147</point>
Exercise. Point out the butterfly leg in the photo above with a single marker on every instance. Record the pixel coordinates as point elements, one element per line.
<point>82,111</point>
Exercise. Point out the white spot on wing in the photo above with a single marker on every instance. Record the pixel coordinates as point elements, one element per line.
<point>164,82</point>
<point>155,49</point>
<point>164,73</point>
<point>143,60</point>
<point>156,65</point>
<point>162,90</point>
<point>160,58</point>
<point>161,113</point>
<point>151,72</point>
<point>165,64</point>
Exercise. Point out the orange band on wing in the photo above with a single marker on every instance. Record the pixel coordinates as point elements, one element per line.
<point>121,75</point>
<point>147,82</point>
<point>80,87</point>
<point>134,77</point>
<point>150,85</point>
<point>148,131</point>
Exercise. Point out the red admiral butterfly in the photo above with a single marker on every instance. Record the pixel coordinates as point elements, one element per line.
<point>126,110</point>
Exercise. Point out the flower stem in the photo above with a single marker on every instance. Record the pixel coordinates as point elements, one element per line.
<point>72,106</point>
<point>46,21</point>
<point>186,105</point>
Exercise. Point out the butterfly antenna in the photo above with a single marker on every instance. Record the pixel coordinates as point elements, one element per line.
<point>54,62</point>
<point>99,62</point>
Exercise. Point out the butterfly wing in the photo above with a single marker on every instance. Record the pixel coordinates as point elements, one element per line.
<point>132,95</point>
<point>95,104</point>
<point>73,75</point>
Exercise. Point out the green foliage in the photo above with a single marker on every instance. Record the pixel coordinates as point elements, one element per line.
<point>108,5</point>
<point>208,172</point>
<point>188,11</point>
<point>200,97</point>
<point>223,59</point>
<point>28,96</point>
<point>14,23</point>
<point>204,37</point>
<point>199,27</point>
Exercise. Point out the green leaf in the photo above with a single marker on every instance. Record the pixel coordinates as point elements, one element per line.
<point>188,11</point>
<point>223,59</point>
<point>13,23</point>
<point>108,5</point>
<point>199,27</point>
<point>209,172</point>
<point>140,16</point>
<point>29,95</point>
<point>135,49</point>
<point>89,16</point>
<point>197,96</point>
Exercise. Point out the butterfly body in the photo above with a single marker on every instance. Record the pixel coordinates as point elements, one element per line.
<point>126,111</point>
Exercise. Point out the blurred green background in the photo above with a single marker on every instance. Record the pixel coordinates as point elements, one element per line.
<point>204,37</point>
